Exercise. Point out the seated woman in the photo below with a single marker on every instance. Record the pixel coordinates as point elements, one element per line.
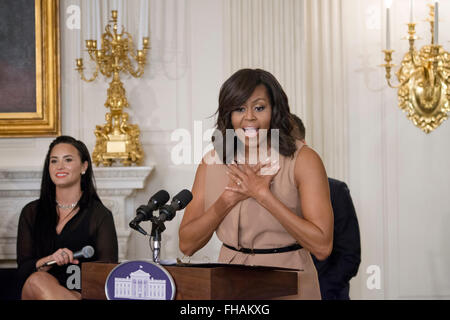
<point>267,214</point>
<point>67,216</point>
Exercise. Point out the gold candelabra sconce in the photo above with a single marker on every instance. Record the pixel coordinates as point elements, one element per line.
<point>117,139</point>
<point>424,77</point>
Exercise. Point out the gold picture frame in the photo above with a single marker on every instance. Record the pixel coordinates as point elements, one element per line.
<point>45,121</point>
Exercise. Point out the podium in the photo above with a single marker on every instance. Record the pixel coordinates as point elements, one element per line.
<point>205,281</point>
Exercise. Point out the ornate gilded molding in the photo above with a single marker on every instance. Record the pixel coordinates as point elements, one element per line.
<point>46,120</point>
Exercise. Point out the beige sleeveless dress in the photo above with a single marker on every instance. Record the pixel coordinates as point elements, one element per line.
<point>249,225</point>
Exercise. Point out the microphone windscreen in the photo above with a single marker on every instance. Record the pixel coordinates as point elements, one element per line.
<point>183,198</point>
<point>88,252</point>
<point>161,197</point>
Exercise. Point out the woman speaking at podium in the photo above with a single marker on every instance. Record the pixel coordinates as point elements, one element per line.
<point>266,213</point>
<point>67,217</point>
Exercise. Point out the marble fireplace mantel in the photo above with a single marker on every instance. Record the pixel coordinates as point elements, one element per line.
<point>116,187</point>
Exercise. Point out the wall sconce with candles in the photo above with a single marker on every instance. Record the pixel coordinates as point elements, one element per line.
<point>113,52</point>
<point>424,75</point>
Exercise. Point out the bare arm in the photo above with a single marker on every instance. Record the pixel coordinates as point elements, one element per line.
<point>198,225</point>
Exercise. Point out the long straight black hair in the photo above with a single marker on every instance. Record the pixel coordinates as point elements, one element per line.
<point>47,217</point>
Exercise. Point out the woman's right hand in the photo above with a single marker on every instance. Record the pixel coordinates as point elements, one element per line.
<point>63,256</point>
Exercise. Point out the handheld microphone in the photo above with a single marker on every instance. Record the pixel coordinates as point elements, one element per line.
<point>86,252</point>
<point>144,212</point>
<point>179,202</point>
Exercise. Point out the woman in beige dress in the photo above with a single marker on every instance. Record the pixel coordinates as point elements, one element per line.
<point>266,212</point>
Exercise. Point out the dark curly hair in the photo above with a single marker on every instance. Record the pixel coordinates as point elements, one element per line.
<point>235,92</point>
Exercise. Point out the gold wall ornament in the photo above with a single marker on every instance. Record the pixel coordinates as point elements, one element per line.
<point>424,80</point>
<point>117,139</point>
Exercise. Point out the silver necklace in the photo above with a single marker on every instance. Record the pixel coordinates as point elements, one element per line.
<point>66,206</point>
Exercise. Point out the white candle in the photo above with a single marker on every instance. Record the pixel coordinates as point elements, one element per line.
<point>114,5</point>
<point>141,24</point>
<point>436,22</point>
<point>411,11</point>
<point>92,19</point>
<point>98,18</point>
<point>146,26</point>
<point>119,16</point>
<point>105,13</point>
<point>125,14</point>
<point>388,24</point>
<point>88,18</point>
<point>78,43</point>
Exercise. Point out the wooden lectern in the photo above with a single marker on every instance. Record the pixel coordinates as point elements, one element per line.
<point>205,281</point>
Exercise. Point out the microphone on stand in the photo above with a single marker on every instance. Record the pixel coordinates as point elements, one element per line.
<point>87,252</point>
<point>179,202</point>
<point>145,212</point>
<point>167,213</point>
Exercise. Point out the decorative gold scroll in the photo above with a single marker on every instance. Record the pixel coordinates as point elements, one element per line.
<point>424,81</point>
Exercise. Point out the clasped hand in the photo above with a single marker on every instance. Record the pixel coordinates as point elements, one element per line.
<point>249,182</point>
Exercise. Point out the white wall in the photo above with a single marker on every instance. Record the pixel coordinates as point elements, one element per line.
<point>397,175</point>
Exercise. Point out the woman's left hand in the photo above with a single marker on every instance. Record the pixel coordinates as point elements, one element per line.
<point>250,181</point>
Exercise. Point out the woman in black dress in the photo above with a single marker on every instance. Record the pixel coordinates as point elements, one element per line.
<point>68,216</point>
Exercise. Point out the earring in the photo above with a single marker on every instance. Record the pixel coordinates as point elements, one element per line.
<point>82,173</point>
